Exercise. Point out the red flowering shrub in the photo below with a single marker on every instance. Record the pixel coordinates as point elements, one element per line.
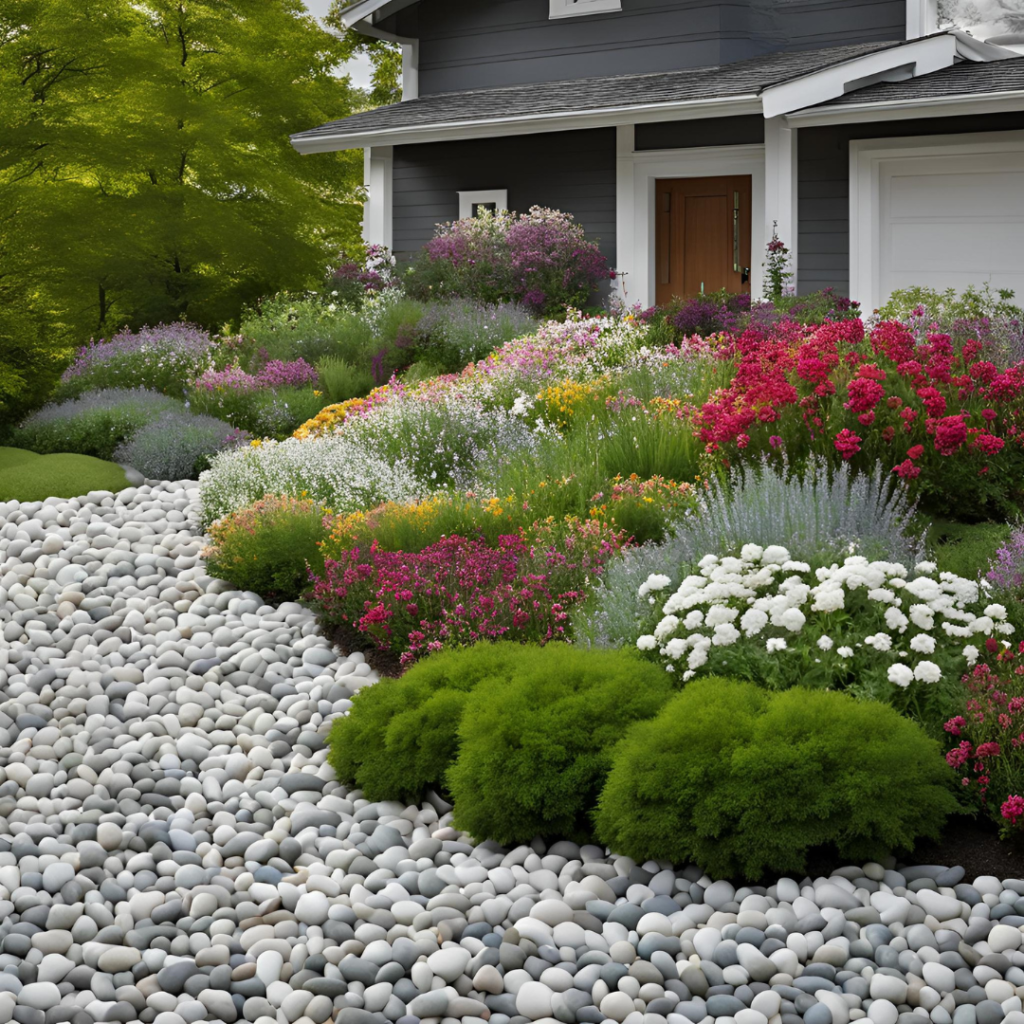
<point>946,421</point>
<point>989,735</point>
<point>459,591</point>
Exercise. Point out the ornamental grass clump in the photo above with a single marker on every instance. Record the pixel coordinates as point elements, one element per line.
<point>876,629</point>
<point>270,547</point>
<point>400,737</point>
<point>741,781</point>
<point>457,332</point>
<point>536,744</point>
<point>163,358</point>
<point>93,424</point>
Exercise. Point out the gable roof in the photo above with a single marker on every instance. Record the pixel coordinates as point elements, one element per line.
<point>545,106</point>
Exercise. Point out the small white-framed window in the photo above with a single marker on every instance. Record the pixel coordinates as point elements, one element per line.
<point>576,8</point>
<point>472,204</point>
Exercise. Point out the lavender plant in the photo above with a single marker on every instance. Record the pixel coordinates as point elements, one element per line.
<point>462,331</point>
<point>94,424</point>
<point>824,516</point>
<point>178,446</point>
<point>162,358</point>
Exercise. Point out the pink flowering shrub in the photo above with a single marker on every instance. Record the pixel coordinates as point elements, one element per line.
<point>541,259</point>
<point>988,755</point>
<point>275,374</point>
<point>459,591</point>
<point>943,418</point>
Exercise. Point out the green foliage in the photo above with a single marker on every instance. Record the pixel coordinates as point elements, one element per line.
<point>266,412</point>
<point>146,171</point>
<point>385,58</point>
<point>343,380</point>
<point>742,781</point>
<point>94,424</point>
<point>535,746</point>
<point>378,336</point>
<point>966,548</point>
<point>401,735</point>
<point>25,476</point>
<point>971,304</point>
<point>269,547</point>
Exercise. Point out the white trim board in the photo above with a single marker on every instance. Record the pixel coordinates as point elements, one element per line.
<point>866,159</point>
<point>902,110</point>
<point>578,8</point>
<point>498,196</point>
<point>378,169</point>
<point>636,174</point>
<point>922,18</point>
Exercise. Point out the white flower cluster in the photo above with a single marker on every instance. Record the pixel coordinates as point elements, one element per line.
<point>764,591</point>
<point>342,473</point>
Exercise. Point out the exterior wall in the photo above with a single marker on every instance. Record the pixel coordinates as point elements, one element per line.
<point>720,131</point>
<point>570,171</point>
<point>824,187</point>
<point>477,44</point>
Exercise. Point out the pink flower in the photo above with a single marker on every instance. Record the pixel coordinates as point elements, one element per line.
<point>1012,809</point>
<point>847,443</point>
<point>775,441</point>
<point>954,725</point>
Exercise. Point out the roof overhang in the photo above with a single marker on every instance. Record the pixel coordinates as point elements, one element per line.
<point>902,110</point>
<point>727,106</point>
<point>909,60</point>
<point>364,13</point>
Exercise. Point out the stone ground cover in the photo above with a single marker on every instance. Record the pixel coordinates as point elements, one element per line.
<point>174,846</point>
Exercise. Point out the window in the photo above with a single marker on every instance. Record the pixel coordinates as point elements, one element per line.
<point>576,8</point>
<point>492,200</point>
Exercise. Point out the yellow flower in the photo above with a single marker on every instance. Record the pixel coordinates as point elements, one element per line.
<point>255,442</point>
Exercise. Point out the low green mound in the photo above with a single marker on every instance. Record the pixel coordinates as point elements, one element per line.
<point>25,476</point>
<point>15,457</point>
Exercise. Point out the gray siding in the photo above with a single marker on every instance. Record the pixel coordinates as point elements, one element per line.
<point>721,131</point>
<point>824,188</point>
<point>570,171</point>
<point>474,44</point>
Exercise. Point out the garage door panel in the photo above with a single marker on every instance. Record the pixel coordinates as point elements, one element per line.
<point>951,221</point>
<point>977,194</point>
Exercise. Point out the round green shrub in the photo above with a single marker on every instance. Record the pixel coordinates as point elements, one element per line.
<point>61,475</point>
<point>401,735</point>
<point>536,743</point>
<point>742,781</point>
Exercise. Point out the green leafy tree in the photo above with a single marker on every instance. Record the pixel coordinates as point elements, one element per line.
<point>146,171</point>
<point>385,57</point>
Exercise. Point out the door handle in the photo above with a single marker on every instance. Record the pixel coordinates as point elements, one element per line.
<point>746,275</point>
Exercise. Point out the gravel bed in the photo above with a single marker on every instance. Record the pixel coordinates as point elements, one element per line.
<point>174,847</point>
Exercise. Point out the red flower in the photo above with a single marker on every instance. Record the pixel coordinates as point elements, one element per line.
<point>866,418</point>
<point>915,452</point>
<point>865,393</point>
<point>988,415</point>
<point>847,443</point>
<point>888,434</point>
<point>934,403</point>
<point>1013,808</point>
<point>906,470</point>
<point>950,434</point>
<point>988,444</point>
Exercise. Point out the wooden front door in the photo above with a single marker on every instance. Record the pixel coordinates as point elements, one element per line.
<point>702,236</point>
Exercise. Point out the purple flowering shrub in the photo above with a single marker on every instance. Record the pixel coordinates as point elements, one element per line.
<point>1006,570</point>
<point>163,358</point>
<point>353,279</point>
<point>541,259</point>
<point>178,446</point>
<point>93,424</point>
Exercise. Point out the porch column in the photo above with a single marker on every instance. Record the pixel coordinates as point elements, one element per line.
<point>377,180</point>
<point>780,189</point>
<point>632,287</point>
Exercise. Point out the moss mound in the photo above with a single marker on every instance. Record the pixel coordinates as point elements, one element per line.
<point>25,476</point>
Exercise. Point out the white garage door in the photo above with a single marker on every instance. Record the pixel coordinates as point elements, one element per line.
<point>947,221</point>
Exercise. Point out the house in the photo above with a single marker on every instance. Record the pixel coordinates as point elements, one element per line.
<point>886,151</point>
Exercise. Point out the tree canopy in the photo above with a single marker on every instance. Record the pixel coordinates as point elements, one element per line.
<point>146,171</point>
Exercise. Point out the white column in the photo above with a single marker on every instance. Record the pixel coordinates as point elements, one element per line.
<point>632,287</point>
<point>377,179</point>
<point>922,18</point>
<point>411,70</point>
<point>780,189</point>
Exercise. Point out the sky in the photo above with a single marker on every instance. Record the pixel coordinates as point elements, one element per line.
<point>359,68</point>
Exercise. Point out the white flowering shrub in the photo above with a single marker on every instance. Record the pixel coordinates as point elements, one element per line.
<point>873,628</point>
<point>340,472</point>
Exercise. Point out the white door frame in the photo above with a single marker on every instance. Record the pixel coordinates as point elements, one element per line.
<point>636,174</point>
<point>866,158</point>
